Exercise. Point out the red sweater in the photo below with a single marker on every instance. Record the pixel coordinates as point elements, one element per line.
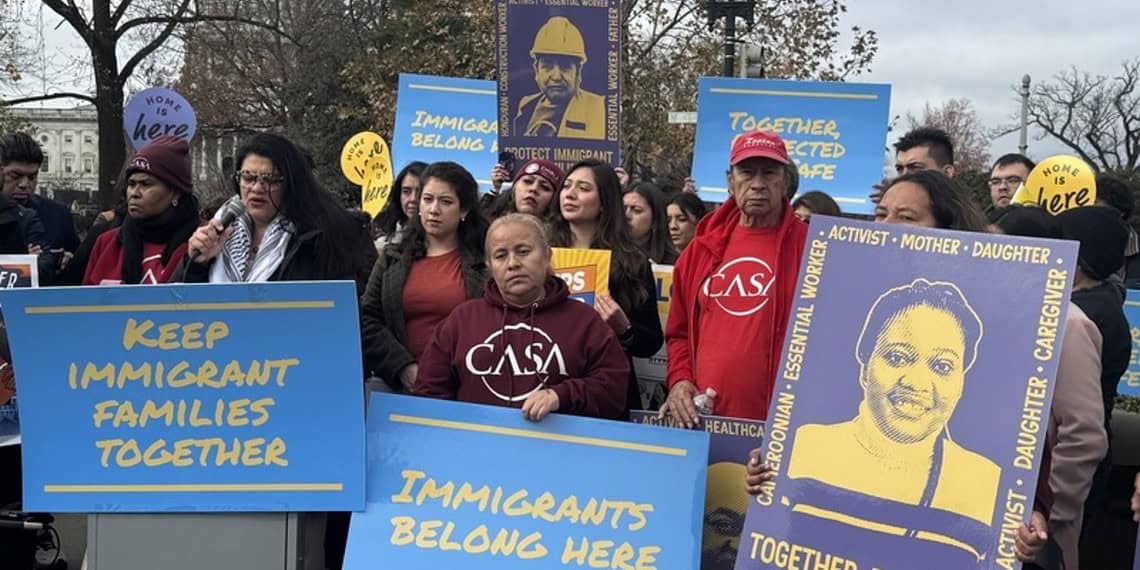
<point>487,352</point>
<point>105,266</point>
<point>746,394</point>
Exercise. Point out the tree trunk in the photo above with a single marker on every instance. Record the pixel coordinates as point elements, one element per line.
<point>109,104</point>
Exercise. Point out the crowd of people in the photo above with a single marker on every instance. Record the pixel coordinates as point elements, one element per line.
<point>459,300</point>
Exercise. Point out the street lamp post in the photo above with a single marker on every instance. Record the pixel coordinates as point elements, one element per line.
<point>1023,143</point>
<point>729,11</point>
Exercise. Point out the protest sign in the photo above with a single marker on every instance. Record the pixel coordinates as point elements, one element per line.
<point>585,271</point>
<point>190,397</point>
<point>454,485</point>
<point>1130,382</point>
<point>559,73</point>
<point>909,417</point>
<point>726,498</point>
<point>834,132</point>
<point>157,111</point>
<point>16,271</point>
<point>446,118</point>
<point>377,181</point>
<point>1058,183</point>
<point>358,153</point>
<point>653,369</point>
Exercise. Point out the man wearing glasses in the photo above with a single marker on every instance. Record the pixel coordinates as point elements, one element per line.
<point>1008,174</point>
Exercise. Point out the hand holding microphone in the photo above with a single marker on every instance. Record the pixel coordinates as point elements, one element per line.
<point>206,242</point>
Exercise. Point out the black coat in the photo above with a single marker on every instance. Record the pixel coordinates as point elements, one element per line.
<point>382,325</point>
<point>299,264</point>
<point>645,335</point>
<point>59,226</point>
<point>19,228</point>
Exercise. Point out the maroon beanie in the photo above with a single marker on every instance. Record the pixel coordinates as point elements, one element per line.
<point>543,168</point>
<point>166,158</point>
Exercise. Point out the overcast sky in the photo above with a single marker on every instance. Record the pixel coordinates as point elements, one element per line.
<point>932,51</point>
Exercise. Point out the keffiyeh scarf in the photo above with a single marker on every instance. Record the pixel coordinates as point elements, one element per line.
<point>238,263</point>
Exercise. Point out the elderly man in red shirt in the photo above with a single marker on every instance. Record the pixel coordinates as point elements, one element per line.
<point>733,289</point>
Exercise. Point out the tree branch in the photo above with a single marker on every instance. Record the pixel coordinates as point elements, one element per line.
<point>120,11</point>
<point>70,13</point>
<point>154,44</point>
<point>199,19</point>
<point>48,97</point>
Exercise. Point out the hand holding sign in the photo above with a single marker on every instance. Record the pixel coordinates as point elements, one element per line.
<point>1058,183</point>
<point>156,112</point>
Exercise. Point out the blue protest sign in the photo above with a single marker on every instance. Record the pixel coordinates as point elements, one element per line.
<point>909,418</point>
<point>155,112</point>
<point>834,132</point>
<point>1130,382</point>
<point>446,118</point>
<point>559,74</point>
<point>189,397</point>
<point>453,485</point>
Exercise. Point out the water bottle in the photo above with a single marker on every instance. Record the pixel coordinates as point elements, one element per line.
<point>704,402</point>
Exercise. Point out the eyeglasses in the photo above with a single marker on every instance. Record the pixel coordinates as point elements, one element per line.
<point>253,178</point>
<point>1008,182</point>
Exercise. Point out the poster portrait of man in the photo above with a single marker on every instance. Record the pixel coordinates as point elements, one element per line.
<point>561,107</point>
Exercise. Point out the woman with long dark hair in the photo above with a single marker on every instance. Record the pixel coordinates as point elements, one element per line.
<point>930,199</point>
<point>401,205</point>
<point>645,211</point>
<point>292,230</point>
<point>683,213</point>
<point>437,265</point>
<point>590,217</point>
<point>532,191</point>
<point>162,213</point>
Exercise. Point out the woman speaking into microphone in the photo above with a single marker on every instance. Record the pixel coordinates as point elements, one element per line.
<point>292,230</point>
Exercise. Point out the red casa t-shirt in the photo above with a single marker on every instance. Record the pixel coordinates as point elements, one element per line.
<point>433,288</point>
<point>737,321</point>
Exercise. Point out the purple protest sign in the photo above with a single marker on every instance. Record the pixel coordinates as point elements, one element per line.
<point>726,499</point>
<point>909,417</point>
<point>156,112</point>
<point>559,70</point>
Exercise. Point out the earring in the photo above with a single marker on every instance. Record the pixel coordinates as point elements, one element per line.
<point>174,203</point>
<point>463,218</point>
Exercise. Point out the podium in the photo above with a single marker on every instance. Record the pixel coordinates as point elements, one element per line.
<point>192,541</point>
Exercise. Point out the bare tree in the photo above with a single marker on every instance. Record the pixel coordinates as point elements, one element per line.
<point>110,30</point>
<point>960,120</point>
<point>1096,116</point>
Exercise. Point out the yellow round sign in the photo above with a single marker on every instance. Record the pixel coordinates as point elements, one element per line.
<point>377,184</point>
<point>1059,183</point>
<point>359,149</point>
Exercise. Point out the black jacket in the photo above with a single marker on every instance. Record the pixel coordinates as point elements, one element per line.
<point>299,264</point>
<point>382,331</point>
<point>21,228</point>
<point>59,226</point>
<point>1104,306</point>
<point>645,335</point>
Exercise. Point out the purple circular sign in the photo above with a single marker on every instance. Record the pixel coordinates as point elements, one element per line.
<point>156,112</point>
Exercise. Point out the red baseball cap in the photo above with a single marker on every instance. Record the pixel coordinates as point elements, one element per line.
<point>762,144</point>
<point>544,169</point>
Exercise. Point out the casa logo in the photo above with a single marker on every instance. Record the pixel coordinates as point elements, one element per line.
<point>517,352</point>
<point>740,287</point>
<point>141,163</point>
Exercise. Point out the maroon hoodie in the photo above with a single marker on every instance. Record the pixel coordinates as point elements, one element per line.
<point>487,352</point>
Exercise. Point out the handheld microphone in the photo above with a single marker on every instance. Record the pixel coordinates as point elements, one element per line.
<point>230,211</point>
